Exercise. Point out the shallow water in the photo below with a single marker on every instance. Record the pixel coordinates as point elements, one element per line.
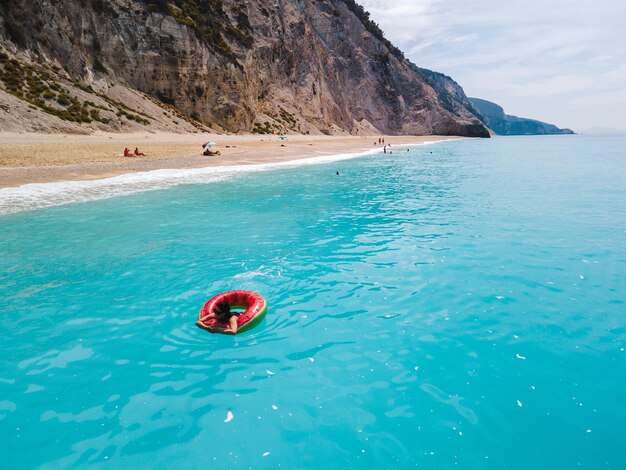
<point>458,305</point>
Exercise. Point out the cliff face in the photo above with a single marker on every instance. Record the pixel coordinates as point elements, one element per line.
<point>239,65</point>
<point>504,124</point>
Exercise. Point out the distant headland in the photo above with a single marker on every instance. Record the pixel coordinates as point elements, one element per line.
<point>504,124</point>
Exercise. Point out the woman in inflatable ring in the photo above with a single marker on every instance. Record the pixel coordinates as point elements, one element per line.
<point>217,314</point>
<point>223,314</point>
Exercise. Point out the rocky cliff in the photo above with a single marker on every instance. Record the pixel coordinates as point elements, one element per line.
<point>303,66</point>
<point>504,124</point>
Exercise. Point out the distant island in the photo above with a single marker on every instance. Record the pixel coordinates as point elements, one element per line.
<point>504,124</point>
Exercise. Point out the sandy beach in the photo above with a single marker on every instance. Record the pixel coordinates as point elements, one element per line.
<point>40,158</point>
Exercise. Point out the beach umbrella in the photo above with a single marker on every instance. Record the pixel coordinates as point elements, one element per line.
<point>208,144</point>
<point>282,137</point>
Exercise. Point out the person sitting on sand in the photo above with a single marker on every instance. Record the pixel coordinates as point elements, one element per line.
<point>222,313</point>
<point>127,153</point>
<point>209,153</point>
<point>138,153</point>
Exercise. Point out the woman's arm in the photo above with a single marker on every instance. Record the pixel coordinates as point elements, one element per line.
<point>232,325</point>
<point>208,317</point>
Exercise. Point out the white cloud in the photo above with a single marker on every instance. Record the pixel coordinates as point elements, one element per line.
<point>548,60</point>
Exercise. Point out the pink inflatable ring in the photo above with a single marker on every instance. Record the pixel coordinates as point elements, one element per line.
<point>255,306</point>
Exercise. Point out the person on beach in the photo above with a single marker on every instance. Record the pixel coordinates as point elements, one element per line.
<point>222,313</point>
<point>138,153</point>
<point>385,149</point>
<point>127,153</point>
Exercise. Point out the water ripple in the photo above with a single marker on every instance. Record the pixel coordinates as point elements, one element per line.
<point>421,307</point>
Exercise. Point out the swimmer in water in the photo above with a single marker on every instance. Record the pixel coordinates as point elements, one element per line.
<point>223,314</point>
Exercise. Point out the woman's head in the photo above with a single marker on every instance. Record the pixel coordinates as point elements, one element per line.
<point>222,311</point>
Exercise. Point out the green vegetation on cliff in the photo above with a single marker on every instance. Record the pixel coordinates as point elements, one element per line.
<point>210,21</point>
<point>372,27</point>
<point>41,90</point>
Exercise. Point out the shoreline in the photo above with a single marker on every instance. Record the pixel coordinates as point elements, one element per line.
<point>49,186</point>
<point>42,158</point>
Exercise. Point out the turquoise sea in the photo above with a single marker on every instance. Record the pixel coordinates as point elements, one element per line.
<point>459,305</point>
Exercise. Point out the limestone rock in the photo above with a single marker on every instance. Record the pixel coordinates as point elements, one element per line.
<point>301,66</point>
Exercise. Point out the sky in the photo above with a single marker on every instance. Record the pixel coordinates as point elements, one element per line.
<point>558,61</point>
